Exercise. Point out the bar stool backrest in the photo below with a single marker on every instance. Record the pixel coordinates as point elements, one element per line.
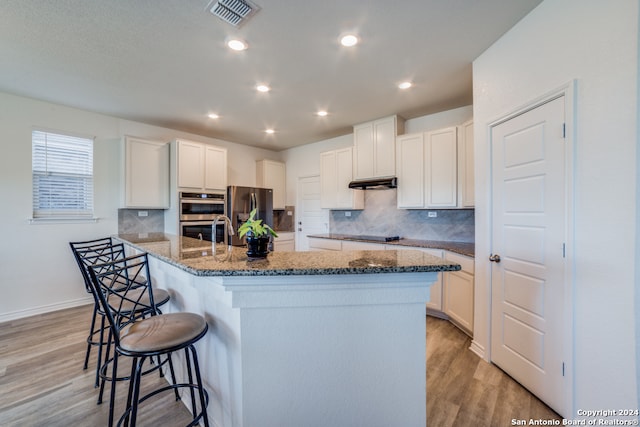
<point>89,248</point>
<point>124,291</point>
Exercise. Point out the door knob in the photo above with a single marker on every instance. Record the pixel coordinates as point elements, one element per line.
<point>494,258</point>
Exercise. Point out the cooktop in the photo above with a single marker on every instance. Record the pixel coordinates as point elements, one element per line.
<point>378,238</point>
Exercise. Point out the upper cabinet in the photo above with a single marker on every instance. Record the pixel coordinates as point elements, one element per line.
<point>201,166</point>
<point>146,173</point>
<point>374,147</point>
<point>465,165</point>
<point>441,168</point>
<point>433,169</point>
<point>272,174</point>
<point>335,175</point>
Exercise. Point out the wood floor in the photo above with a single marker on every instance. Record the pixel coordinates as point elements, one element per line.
<point>42,382</point>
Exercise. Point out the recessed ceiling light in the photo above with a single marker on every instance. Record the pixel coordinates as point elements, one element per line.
<point>405,85</point>
<point>269,131</point>
<point>263,88</point>
<point>213,116</point>
<point>322,113</point>
<point>349,40</point>
<point>237,45</point>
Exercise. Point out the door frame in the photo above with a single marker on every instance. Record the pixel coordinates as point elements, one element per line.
<point>569,91</point>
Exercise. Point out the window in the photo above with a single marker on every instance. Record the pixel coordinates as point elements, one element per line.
<point>62,167</point>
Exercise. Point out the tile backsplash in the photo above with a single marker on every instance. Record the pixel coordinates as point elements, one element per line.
<point>381,217</point>
<point>130,222</point>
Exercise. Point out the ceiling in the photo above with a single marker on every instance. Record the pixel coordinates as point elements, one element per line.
<point>165,62</point>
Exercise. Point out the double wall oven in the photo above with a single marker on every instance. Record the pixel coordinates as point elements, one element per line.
<point>197,212</point>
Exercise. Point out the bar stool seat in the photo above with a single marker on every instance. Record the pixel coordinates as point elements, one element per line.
<point>161,333</point>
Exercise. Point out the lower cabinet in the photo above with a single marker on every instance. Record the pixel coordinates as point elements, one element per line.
<point>458,292</point>
<point>434,306</point>
<point>452,294</point>
<point>285,242</point>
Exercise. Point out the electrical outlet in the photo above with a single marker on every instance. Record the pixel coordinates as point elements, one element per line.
<point>143,213</point>
<point>289,213</point>
<point>432,214</point>
<point>347,214</point>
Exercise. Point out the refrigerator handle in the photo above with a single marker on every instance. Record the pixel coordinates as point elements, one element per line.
<point>253,202</point>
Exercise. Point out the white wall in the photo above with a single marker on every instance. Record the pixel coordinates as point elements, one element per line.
<point>595,42</point>
<point>37,271</point>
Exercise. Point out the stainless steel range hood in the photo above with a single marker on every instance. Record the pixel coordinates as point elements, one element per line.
<point>383,183</point>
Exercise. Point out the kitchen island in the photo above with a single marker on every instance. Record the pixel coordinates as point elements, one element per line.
<point>303,338</point>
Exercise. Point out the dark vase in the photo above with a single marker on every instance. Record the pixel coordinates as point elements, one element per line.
<point>257,247</point>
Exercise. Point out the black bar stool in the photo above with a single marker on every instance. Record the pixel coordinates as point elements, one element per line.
<point>116,284</point>
<point>99,251</point>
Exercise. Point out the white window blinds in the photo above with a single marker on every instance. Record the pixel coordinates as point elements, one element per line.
<point>62,168</point>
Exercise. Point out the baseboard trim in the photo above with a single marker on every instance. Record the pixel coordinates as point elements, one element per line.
<point>477,349</point>
<point>13,315</point>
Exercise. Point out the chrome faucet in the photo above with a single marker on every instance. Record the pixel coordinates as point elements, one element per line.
<point>227,234</point>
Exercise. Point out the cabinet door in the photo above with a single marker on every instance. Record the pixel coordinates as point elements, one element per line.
<point>215,168</point>
<point>346,198</point>
<point>190,165</point>
<point>328,180</point>
<point>364,158</point>
<point>348,245</point>
<point>435,295</point>
<point>146,174</point>
<point>271,174</point>
<point>410,156</point>
<point>466,166</point>
<point>384,132</point>
<point>441,168</point>
<point>458,299</point>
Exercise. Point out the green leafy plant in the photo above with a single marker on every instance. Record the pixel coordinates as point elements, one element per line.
<point>255,227</point>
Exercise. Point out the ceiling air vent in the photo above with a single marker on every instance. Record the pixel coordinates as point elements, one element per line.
<point>234,12</point>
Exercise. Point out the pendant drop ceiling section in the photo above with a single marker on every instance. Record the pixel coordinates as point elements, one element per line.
<point>165,62</point>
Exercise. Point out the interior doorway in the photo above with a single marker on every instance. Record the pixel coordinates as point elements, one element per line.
<point>310,217</point>
<point>529,273</point>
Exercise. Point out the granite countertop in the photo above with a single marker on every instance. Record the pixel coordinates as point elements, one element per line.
<point>462,248</point>
<point>196,257</point>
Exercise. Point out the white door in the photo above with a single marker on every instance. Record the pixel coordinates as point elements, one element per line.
<point>528,226</point>
<point>311,219</point>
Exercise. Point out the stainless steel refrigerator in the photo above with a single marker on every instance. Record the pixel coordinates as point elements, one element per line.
<point>240,203</point>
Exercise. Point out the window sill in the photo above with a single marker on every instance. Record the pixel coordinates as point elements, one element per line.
<point>62,220</point>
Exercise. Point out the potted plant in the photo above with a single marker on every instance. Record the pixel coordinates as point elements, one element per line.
<point>258,235</point>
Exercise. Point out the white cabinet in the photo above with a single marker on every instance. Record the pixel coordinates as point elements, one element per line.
<point>335,175</point>
<point>201,167</point>
<point>145,173</point>
<point>466,170</point>
<point>374,147</point>
<point>441,168</point>
<point>458,292</point>
<point>272,174</point>
<point>428,170</point>
<point>285,242</point>
<point>317,244</point>
<point>410,171</point>
<point>349,245</point>
<point>434,306</point>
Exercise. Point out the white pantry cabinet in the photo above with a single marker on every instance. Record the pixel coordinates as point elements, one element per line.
<point>335,175</point>
<point>272,174</point>
<point>145,175</point>
<point>466,169</point>
<point>374,147</point>
<point>458,292</point>
<point>201,167</point>
<point>428,170</point>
